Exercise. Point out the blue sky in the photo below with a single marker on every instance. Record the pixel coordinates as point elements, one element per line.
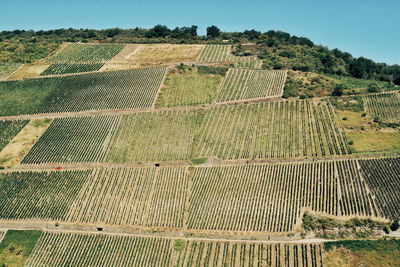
<point>363,28</point>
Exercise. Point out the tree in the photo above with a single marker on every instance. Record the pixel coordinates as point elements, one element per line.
<point>373,88</point>
<point>338,90</point>
<point>213,31</point>
<point>158,31</point>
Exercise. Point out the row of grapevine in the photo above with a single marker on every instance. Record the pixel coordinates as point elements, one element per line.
<point>2,234</point>
<point>221,199</point>
<point>126,89</point>
<point>270,130</point>
<point>154,136</point>
<point>69,249</point>
<point>44,195</point>
<point>257,64</point>
<point>73,249</point>
<point>215,253</point>
<point>9,129</point>
<point>86,53</point>
<point>263,130</point>
<point>221,53</point>
<point>269,197</point>
<point>82,139</point>
<point>383,179</point>
<point>386,106</point>
<point>247,83</point>
<point>132,196</point>
<point>66,68</point>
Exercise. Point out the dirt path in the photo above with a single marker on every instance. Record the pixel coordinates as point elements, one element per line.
<point>115,231</point>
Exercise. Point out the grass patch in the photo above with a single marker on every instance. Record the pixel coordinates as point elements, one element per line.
<point>382,253</point>
<point>357,86</point>
<point>17,246</point>
<point>187,88</point>
<point>371,140</point>
<point>349,103</point>
<point>199,161</point>
<point>179,245</point>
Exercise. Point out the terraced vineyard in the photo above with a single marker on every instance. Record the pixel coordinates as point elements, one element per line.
<point>64,249</point>
<point>9,129</point>
<point>270,197</point>
<point>154,136</point>
<point>252,198</point>
<point>86,53</point>
<point>221,53</point>
<point>385,106</point>
<point>128,89</point>
<point>133,196</point>
<point>247,83</point>
<point>382,177</point>
<point>270,130</point>
<point>67,68</point>
<point>39,195</point>
<point>82,139</point>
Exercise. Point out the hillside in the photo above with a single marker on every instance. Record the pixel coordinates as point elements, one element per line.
<point>131,148</point>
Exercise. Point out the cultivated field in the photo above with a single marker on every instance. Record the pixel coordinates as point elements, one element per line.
<point>270,197</point>
<point>385,106</point>
<point>65,249</point>
<point>86,53</point>
<point>382,177</point>
<point>129,89</point>
<point>251,198</point>
<point>133,196</point>
<point>254,131</point>
<point>83,139</point>
<point>270,130</point>
<point>221,53</point>
<point>67,68</point>
<point>154,136</point>
<point>39,195</point>
<point>248,83</point>
<point>188,88</point>
<point>8,130</point>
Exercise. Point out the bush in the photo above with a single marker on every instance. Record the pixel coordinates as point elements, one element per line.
<point>373,88</point>
<point>351,142</point>
<point>395,226</point>
<point>212,70</point>
<point>364,114</point>
<point>338,89</point>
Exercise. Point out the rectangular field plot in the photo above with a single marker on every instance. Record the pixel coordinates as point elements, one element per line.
<point>66,249</point>
<point>385,106</point>
<point>74,139</point>
<point>133,196</point>
<point>154,136</point>
<point>69,249</point>
<point>67,68</point>
<point>86,53</point>
<point>129,89</point>
<point>9,129</point>
<point>158,54</point>
<point>383,179</point>
<point>270,197</point>
<point>39,195</point>
<point>221,53</point>
<point>188,88</point>
<point>247,83</point>
<point>270,130</point>
<point>107,90</point>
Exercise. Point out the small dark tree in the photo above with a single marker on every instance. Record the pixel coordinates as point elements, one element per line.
<point>213,31</point>
<point>395,226</point>
<point>338,90</point>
